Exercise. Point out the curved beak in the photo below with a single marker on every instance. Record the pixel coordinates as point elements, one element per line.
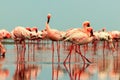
<point>48,18</point>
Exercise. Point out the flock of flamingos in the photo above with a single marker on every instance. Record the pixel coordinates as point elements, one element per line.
<point>76,36</point>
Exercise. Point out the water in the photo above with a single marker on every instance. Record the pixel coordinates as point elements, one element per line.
<point>40,61</point>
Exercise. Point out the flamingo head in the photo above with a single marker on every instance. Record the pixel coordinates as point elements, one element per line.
<point>90,30</point>
<point>7,36</point>
<point>28,28</point>
<point>86,24</point>
<point>48,17</point>
<point>103,29</point>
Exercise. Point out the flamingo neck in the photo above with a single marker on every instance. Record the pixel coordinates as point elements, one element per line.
<point>47,27</point>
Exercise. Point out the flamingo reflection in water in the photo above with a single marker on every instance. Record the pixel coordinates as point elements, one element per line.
<point>106,66</point>
<point>23,70</point>
<point>4,72</point>
<point>102,36</point>
<point>77,71</point>
<point>4,34</point>
<point>114,72</point>
<point>57,71</point>
<point>103,65</point>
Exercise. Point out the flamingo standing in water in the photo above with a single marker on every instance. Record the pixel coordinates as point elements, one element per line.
<point>53,35</point>
<point>4,34</point>
<point>20,34</point>
<point>115,37</point>
<point>105,37</point>
<point>80,38</point>
<point>85,25</point>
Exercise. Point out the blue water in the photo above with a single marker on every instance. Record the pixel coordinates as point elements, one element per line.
<point>37,62</point>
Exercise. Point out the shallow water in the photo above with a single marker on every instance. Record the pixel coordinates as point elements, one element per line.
<point>40,61</point>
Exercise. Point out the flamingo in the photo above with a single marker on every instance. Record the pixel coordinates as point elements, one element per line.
<point>85,25</point>
<point>80,38</point>
<point>53,35</point>
<point>20,34</point>
<point>104,36</point>
<point>5,34</point>
<point>115,35</point>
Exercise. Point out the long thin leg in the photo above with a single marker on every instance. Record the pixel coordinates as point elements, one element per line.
<point>52,60</point>
<point>71,78</point>
<point>83,56</point>
<point>71,48</point>
<point>58,51</point>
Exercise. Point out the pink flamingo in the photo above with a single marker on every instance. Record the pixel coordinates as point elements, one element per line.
<point>44,34</point>
<point>20,34</point>
<point>5,34</point>
<point>53,35</point>
<point>80,38</point>
<point>85,25</point>
<point>2,50</point>
<point>115,37</point>
<point>105,37</point>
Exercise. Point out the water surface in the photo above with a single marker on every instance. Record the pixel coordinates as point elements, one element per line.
<point>43,61</point>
